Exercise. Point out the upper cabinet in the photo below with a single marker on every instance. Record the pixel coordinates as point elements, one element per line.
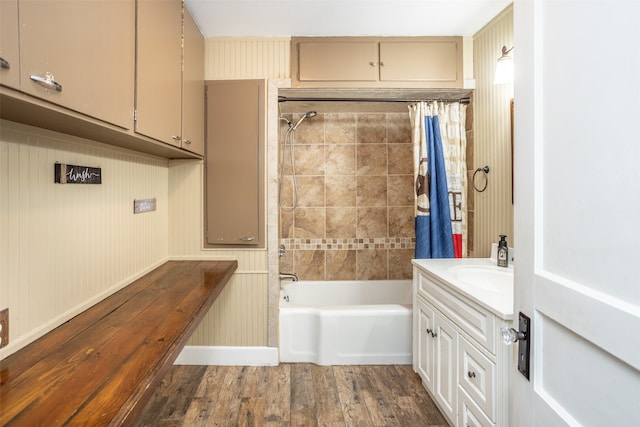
<point>163,111</point>
<point>9,47</point>
<point>159,70</point>
<point>87,68</point>
<point>193,87</point>
<point>80,55</point>
<point>420,62</point>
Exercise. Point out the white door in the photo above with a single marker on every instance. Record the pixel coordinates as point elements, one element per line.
<point>577,205</point>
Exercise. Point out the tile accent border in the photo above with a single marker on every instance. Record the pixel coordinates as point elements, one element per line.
<point>350,244</point>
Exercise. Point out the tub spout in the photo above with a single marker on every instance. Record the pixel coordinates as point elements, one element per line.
<point>291,276</point>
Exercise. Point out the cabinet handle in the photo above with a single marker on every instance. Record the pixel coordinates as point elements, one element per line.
<point>176,137</point>
<point>186,141</point>
<point>247,239</point>
<point>429,332</point>
<point>47,82</point>
<point>382,64</point>
<point>471,374</point>
<point>372,64</point>
<point>4,64</point>
<point>433,334</point>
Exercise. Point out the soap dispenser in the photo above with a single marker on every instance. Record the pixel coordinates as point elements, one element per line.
<point>503,252</point>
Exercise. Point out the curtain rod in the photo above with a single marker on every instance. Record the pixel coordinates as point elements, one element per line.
<point>285,99</point>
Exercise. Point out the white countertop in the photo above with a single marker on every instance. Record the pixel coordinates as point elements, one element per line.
<point>499,303</point>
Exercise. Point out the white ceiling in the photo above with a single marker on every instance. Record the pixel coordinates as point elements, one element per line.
<point>271,18</point>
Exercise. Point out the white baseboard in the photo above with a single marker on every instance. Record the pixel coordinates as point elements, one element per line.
<point>228,356</point>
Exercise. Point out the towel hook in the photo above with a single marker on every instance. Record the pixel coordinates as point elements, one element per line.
<point>485,171</point>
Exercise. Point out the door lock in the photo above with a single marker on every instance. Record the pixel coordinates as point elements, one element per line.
<point>510,335</point>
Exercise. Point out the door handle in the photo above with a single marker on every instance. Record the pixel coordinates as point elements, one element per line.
<point>522,337</point>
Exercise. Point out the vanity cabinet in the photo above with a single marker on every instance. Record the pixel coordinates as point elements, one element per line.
<point>425,62</point>
<point>9,46</point>
<point>458,354</point>
<point>436,356</point>
<point>79,55</point>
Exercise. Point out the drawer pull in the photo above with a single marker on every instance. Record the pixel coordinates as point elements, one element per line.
<point>471,374</point>
<point>247,239</point>
<point>47,82</point>
<point>4,64</point>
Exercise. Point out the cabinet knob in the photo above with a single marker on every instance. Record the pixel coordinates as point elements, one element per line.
<point>471,374</point>
<point>186,141</point>
<point>382,64</point>
<point>4,64</point>
<point>372,64</point>
<point>47,82</point>
<point>176,137</point>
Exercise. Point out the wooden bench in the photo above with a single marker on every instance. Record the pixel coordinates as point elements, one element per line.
<point>102,366</point>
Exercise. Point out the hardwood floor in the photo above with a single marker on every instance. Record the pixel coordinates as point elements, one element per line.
<point>291,395</point>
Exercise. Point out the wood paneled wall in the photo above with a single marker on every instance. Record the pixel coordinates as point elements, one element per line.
<point>247,58</point>
<point>240,315</point>
<point>492,136</point>
<point>65,247</point>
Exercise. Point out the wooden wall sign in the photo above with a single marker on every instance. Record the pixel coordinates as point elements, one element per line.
<point>73,174</point>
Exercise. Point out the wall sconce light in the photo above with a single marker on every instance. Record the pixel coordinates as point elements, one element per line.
<point>504,68</point>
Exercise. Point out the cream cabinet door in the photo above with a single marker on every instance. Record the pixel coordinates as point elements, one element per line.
<point>159,70</point>
<point>339,61</point>
<point>420,61</point>
<point>9,49</point>
<point>193,87</point>
<point>446,369</point>
<point>425,344</point>
<point>80,55</point>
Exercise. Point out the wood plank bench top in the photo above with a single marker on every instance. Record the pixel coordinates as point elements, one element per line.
<point>101,367</point>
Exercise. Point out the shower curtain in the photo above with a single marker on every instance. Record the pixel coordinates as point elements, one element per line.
<point>439,142</point>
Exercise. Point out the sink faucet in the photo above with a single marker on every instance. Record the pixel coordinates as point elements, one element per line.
<point>291,276</point>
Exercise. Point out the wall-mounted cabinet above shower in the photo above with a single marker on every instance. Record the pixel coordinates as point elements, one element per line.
<point>411,62</point>
<point>234,163</point>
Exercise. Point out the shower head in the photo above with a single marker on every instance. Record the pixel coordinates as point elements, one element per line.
<point>307,115</point>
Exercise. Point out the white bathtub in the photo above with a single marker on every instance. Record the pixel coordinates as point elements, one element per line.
<point>346,322</point>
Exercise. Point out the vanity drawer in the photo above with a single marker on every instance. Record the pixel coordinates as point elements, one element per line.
<point>476,321</point>
<point>477,376</point>
<point>469,415</point>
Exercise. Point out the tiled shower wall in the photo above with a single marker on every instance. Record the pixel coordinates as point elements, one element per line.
<point>354,219</point>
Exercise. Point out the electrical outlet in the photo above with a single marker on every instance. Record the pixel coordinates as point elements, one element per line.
<point>4,327</point>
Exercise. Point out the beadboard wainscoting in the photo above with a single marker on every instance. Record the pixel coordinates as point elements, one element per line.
<point>493,210</point>
<point>65,247</point>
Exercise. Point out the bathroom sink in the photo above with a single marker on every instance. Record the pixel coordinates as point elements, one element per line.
<point>484,277</point>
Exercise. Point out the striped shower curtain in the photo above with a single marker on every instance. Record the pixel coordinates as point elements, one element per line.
<point>439,151</point>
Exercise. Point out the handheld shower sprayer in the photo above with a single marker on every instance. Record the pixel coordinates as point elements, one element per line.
<point>287,140</point>
<point>307,115</point>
